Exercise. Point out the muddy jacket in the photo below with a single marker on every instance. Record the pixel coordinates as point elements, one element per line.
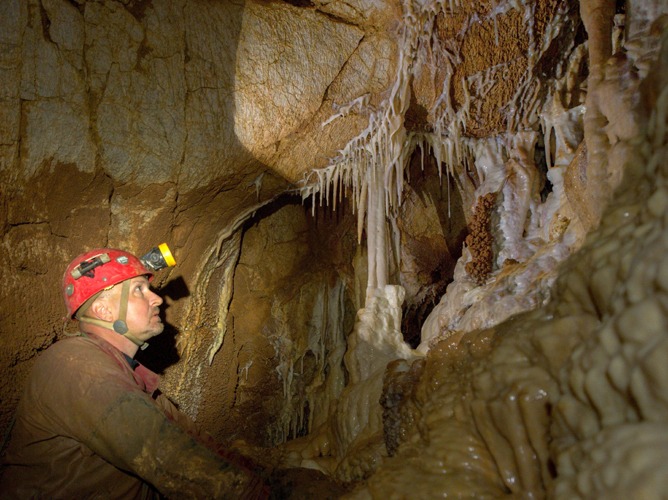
<point>88,426</point>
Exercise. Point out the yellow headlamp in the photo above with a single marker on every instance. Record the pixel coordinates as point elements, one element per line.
<point>158,258</point>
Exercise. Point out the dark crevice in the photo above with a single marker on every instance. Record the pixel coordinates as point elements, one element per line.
<point>138,8</point>
<point>300,3</point>
<point>325,94</point>
<point>46,23</point>
<point>620,7</point>
<point>77,5</point>
<point>436,257</point>
<point>540,161</point>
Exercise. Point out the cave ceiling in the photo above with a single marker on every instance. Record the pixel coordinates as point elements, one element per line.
<point>323,172</point>
<point>129,122</point>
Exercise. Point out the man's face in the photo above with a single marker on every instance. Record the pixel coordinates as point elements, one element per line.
<point>143,314</point>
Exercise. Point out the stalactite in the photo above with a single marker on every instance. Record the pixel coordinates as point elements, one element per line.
<point>373,163</point>
<point>527,245</point>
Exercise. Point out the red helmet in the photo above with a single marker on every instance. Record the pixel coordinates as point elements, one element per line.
<point>93,271</point>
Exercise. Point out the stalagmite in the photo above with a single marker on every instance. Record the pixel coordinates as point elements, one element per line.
<point>597,16</point>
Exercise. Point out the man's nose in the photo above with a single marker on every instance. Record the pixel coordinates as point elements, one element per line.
<point>156,299</point>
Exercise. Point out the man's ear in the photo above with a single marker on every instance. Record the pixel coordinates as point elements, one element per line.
<point>100,309</point>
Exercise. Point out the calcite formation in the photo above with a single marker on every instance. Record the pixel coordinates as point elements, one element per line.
<point>480,240</point>
<point>566,401</point>
<point>421,244</point>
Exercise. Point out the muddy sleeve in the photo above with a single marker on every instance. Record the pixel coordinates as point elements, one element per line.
<point>97,404</point>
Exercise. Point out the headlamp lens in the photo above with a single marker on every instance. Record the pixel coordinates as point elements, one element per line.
<point>158,258</point>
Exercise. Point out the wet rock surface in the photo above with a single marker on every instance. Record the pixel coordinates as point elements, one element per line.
<point>131,123</point>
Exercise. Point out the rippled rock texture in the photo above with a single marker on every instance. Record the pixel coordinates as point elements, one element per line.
<point>470,298</point>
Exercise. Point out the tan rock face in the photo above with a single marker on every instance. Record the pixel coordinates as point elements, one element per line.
<point>129,123</point>
<point>279,345</point>
<point>126,124</point>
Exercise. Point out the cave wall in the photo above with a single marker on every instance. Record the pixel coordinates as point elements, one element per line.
<point>280,365</point>
<point>129,123</point>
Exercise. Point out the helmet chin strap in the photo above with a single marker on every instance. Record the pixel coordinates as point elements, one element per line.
<point>119,326</point>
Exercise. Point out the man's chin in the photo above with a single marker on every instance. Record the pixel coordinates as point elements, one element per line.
<point>155,331</point>
<point>158,325</point>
